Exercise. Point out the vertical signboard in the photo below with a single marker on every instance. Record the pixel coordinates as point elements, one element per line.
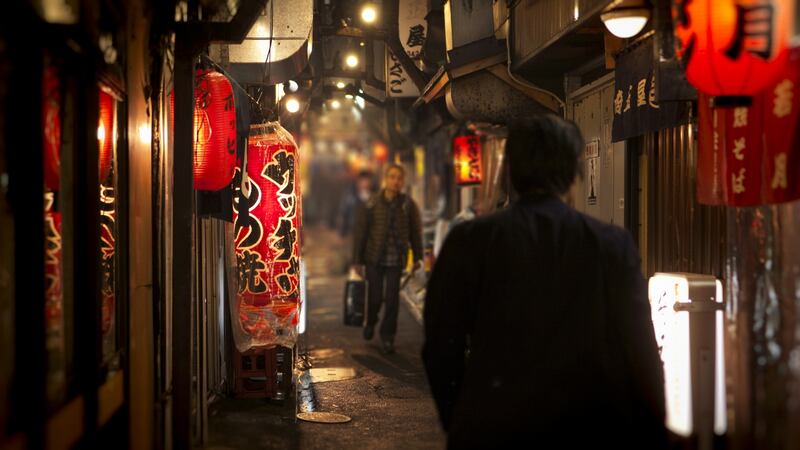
<point>687,320</point>
<point>413,26</point>
<point>398,83</point>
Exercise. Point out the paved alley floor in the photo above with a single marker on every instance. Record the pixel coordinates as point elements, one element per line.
<point>389,400</point>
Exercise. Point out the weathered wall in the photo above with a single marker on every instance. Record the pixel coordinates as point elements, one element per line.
<point>763,325</point>
<point>141,356</point>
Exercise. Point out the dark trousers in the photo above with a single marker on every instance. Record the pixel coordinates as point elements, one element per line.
<point>383,285</point>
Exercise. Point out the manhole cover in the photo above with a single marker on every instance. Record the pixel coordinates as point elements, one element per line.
<point>323,417</point>
<point>331,374</point>
<point>325,353</point>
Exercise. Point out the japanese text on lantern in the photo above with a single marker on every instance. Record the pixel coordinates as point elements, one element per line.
<point>281,172</point>
<point>250,263</point>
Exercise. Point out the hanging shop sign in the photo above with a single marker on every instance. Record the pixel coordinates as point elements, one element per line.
<point>51,130</point>
<point>413,26</point>
<point>635,105</point>
<point>267,237</point>
<point>732,47</point>
<point>750,155</point>
<point>106,132</point>
<point>467,159</point>
<point>398,83</point>
<point>781,113</point>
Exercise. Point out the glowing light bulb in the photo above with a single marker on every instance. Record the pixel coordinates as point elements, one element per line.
<point>352,61</point>
<point>369,13</point>
<point>292,105</point>
<point>335,104</point>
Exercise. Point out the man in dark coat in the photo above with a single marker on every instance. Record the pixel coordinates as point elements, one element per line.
<point>537,322</point>
<point>385,227</point>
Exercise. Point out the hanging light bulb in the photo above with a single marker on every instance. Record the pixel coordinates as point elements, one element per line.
<point>292,105</point>
<point>351,61</point>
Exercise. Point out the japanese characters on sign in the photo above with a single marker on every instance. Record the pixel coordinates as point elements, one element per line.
<point>266,230</point>
<point>398,83</point>
<point>53,274</point>
<point>107,252</point>
<point>634,104</point>
<point>413,26</point>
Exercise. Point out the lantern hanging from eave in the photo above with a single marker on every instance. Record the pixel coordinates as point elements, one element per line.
<point>732,48</point>
<point>467,159</point>
<point>51,128</point>
<point>267,236</point>
<point>215,132</point>
<point>105,133</point>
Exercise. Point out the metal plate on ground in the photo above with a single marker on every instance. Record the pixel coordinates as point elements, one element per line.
<point>323,417</point>
<point>331,374</point>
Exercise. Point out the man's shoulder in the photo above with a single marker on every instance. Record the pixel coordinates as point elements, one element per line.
<point>614,239</point>
<point>481,226</point>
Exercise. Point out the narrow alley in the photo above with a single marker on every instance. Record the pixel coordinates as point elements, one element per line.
<point>399,224</point>
<point>388,401</point>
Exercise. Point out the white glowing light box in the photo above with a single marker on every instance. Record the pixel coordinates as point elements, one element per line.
<point>683,306</point>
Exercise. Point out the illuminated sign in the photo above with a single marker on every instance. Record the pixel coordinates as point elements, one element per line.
<point>674,298</point>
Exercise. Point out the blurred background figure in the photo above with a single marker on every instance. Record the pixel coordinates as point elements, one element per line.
<point>355,196</point>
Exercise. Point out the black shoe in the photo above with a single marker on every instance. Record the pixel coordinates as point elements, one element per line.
<point>369,330</point>
<point>388,347</point>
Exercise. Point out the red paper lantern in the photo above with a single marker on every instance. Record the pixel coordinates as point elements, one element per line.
<point>751,155</point>
<point>215,132</point>
<point>51,128</point>
<point>267,235</point>
<point>105,133</point>
<point>732,47</point>
<point>467,159</point>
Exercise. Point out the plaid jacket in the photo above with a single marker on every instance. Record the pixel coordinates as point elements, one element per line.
<point>372,229</point>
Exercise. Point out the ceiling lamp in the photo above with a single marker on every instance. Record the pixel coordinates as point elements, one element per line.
<point>369,13</point>
<point>340,85</point>
<point>626,22</point>
<point>351,61</point>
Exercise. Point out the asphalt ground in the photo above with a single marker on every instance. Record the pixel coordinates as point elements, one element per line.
<point>389,400</point>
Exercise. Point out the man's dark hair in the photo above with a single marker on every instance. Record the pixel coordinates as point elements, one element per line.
<point>543,153</point>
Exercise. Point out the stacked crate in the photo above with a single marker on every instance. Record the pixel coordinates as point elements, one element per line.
<point>263,373</point>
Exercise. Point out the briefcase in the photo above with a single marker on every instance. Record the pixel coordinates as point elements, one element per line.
<point>355,302</point>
